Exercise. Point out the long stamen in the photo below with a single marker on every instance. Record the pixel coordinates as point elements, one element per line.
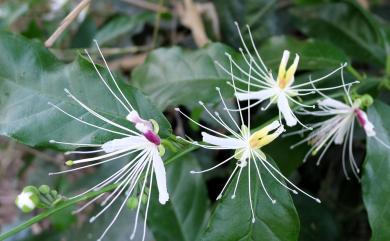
<point>219,164</point>
<point>277,179</point>
<point>321,78</point>
<point>75,144</point>
<point>286,179</point>
<point>249,192</point>
<point>197,123</point>
<point>237,181</point>
<point>104,81</point>
<point>87,123</point>
<point>139,202</point>
<point>227,182</point>
<point>225,106</point>
<point>236,77</point>
<point>98,115</point>
<point>112,76</point>
<point>91,165</point>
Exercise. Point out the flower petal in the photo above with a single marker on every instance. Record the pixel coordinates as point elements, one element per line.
<point>161,177</point>
<point>124,143</point>
<point>286,110</point>
<point>256,95</point>
<point>332,103</point>
<point>227,142</point>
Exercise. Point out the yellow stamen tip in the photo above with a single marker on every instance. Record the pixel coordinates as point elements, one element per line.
<point>69,162</point>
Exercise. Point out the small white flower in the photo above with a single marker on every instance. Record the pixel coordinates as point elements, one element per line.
<point>338,128</point>
<point>280,90</point>
<point>27,201</point>
<point>131,179</point>
<point>246,146</point>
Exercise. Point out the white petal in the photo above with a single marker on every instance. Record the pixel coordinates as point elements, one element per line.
<point>340,134</point>
<point>124,143</point>
<point>161,177</point>
<point>328,102</point>
<point>286,110</point>
<point>227,142</point>
<point>256,95</point>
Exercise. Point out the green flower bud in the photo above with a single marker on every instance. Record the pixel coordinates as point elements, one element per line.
<point>161,150</point>
<point>156,127</point>
<point>44,189</point>
<point>28,200</point>
<point>366,100</point>
<point>132,202</point>
<point>144,198</point>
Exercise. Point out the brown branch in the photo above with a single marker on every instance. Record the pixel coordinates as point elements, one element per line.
<point>65,23</point>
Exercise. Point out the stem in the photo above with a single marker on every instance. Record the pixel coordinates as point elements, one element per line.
<point>71,202</point>
<point>354,72</point>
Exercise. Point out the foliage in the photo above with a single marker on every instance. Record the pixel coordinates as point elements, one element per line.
<point>158,66</point>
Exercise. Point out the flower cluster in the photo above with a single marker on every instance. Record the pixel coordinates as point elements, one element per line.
<point>252,81</point>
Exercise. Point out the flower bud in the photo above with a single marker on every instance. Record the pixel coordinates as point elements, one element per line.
<point>132,202</point>
<point>28,200</point>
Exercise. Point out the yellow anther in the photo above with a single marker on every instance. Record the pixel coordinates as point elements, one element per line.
<point>285,77</point>
<point>261,137</point>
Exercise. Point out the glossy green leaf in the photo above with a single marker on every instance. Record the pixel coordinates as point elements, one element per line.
<point>262,15</point>
<point>121,25</point>
<point>185,215</point>
<point>376,178</point>
<point>31,77</point>
<point>232,220</point>
<point>173,76</point>
<point>314,54</point>
<point>345,24</point>
<point>316,221</point>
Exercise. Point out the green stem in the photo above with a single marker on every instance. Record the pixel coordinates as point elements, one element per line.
<point>71,202</point>
<point>354,72</point>
<point>51,211</point>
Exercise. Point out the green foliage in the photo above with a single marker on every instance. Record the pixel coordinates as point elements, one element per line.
<point>173,76</point>
<point>32,77</point>
<point>323,33</point>
<point>376,177</point>
<point>184,217</point>
<point>232,220</point>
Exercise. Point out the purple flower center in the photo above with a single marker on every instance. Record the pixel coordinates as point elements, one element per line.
<point>360,116</point>
<point>152,137</point>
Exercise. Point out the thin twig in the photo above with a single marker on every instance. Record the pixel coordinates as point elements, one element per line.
<point>65,23</point>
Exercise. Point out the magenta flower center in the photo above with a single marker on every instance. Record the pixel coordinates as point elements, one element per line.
<point>152,137</point>
<point>360,117</point>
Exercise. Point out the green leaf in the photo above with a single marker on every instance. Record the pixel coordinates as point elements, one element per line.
<point>316,221</point>
<point>31,77</point>
<point>376,178</point>
<point>262,16</point>
<point>314,54</point>
<point>184,216</point>
<point>347,26</point>
<point>121,25</point>
<point>232,220</point>
<point>172,76</point>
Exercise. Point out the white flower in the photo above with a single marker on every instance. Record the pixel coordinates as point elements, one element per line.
<point>338,128</point>
<point>27,201</point>
<point>131,179</point>
<point>280,90</point>
<point>246,146</point>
